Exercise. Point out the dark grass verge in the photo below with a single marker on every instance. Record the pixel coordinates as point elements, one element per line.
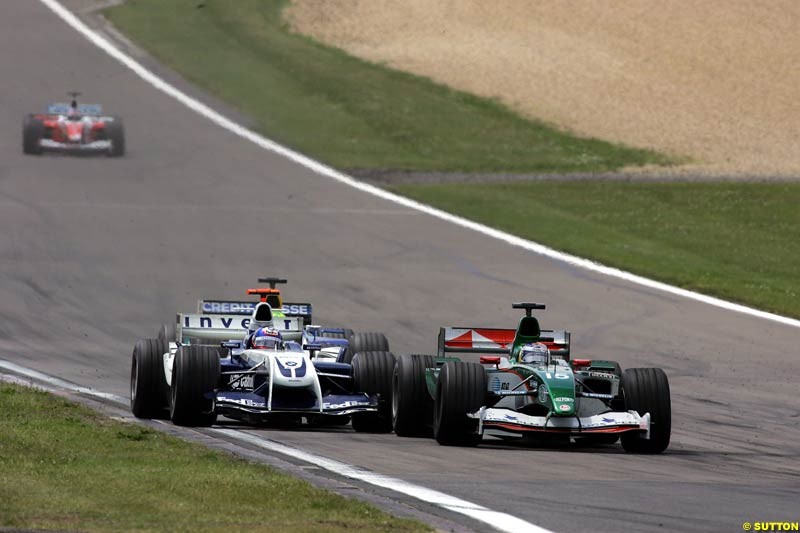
<point>65,467</point>
<point>738,241</point>
<point>345,111</point>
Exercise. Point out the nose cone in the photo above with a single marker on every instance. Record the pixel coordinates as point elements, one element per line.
<point>74,132</point>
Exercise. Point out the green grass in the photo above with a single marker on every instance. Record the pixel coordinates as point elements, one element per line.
<point>65,467</point>
<point>344,111</point>
<point>739,241</point>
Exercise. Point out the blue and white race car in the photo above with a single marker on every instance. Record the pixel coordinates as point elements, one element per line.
<point>313,374</point>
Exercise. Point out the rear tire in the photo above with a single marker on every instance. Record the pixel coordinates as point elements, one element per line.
<point>195,376</point>
<point>461,389</point>
<point>32,133</point>
<point>646,390</point>
<point>365,342</point>
<point>149,391</point>
<point>372,374</point>
<point>116,134</point>
<point>412,405</point>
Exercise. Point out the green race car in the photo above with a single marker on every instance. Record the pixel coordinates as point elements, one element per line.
<point>526,385</point>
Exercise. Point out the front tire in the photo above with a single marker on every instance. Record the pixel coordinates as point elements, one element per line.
<point>412,405</point>
<point>646,390</point>
<point>32,133</point>
<point>195,376</point>
<point>461,389</point>
<point>148,384</point>
<point>116,134</point>
<point>372,374</point>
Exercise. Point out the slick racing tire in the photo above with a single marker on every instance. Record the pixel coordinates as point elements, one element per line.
<point>646,390</point>
<point>116,134</point>
<point>364,342</point>
<point>412,405</point>
<point>461,389</point>
<point>149,391</point>
<point>372,374</point>
<point>195,376</point>
<point>32,133</point>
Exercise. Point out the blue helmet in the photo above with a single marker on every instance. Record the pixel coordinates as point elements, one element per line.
<point>267,339</point>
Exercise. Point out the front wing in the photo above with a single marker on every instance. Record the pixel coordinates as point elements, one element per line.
<point>94,146</point>
<point>508,421</point>
<point>332,404</point>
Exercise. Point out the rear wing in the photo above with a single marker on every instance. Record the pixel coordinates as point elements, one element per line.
<point>63,108</point>
<point>212,329</point>
<point>496,341</point>
<point>242,308</point>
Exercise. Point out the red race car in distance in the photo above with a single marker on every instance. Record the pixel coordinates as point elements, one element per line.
<point>73,127</point>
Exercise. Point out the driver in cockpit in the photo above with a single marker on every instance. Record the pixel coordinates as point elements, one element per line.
<point>260,319</point>
<point>264,339</point>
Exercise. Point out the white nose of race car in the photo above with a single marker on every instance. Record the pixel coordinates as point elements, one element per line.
<point>293,371</point>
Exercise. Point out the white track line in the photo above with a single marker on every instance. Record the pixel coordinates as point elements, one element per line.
<point>60,383</point>
<point>212,115</point>
<point>500,521</point>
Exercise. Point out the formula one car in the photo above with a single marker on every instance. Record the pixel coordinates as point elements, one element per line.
<point>552,398</point>
<point>198,372</point>
<point>73,127</point>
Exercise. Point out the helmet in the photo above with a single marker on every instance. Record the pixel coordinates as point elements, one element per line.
<point>534,353</point>
<point>267,339</point>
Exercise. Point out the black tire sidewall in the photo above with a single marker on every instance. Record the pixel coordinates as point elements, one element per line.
<point>195,373</point>
<point>646,390</point>
<point>412,407</point>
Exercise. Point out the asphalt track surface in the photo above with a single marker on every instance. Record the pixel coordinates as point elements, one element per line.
<point>97,252</point>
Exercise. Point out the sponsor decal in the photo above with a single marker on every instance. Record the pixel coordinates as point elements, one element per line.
<point>543,394</point>
<point>562,376</point>
<point>564,399</point>
<point>244,401</point>
<point>563,407</point>
<point>604,375</point>
<point>504,386</point>
<point>243,382</point>
<point>222,307</point>
<point>290,363</point>
<point>227,308</point>
<point>231,322</point>
<point>297,309</point>
<point>344,405</point>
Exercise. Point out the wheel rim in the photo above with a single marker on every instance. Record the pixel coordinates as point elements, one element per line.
<point>134,379</point>
<point>173,392</point>
<point>395,395</point>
